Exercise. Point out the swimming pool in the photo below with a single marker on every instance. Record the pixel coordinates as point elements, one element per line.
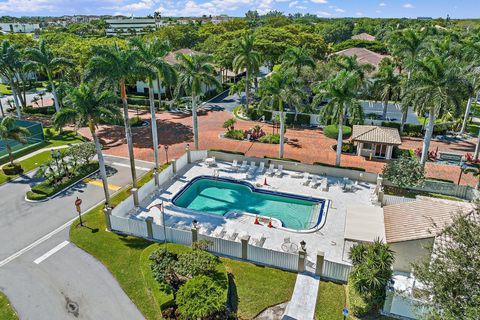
<point>220,195</point>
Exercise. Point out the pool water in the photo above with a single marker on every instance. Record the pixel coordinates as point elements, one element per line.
<point>219,197</point>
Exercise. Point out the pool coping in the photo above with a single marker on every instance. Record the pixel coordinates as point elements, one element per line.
<point>324,204</point>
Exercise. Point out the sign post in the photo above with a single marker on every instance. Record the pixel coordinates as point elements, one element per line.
<point>78,202</point>
<point>345,313</point>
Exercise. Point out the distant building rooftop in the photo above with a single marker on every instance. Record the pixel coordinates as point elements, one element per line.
<point>171,58</point>
<point>364,36</point>
<point>364,56</point>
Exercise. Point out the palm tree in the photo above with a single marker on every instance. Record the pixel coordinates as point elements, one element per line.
<point>9,131</point>
<point>280,88</point>
<point>44,60</point>
<point>10,66</point>
<point>407,44</point>
<point>247,58</point>
<point>298,58</point>
<point>113,65</point>
<point>151,62</point>
<point>437,86</point>
<point>342,91</point>
<point>194,72</point>
<point>87,106</point>
<point>388,84</point>
<point>350,64</point>
<point>472,56</point>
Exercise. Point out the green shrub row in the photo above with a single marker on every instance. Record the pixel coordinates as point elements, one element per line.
<point>228,151</point>
<point>282,159</point>
<point>11,170</point>
<point>46,189</point>
<point>270,138</point>
<point>46,110</point>
<point>340,167</point>
<point>235,134</point>
<point>331,131</point>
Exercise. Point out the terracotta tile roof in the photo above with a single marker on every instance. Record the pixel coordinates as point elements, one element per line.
<point>423,218</point>
<point>364,36</point>
<point>364,56</point>
<point>376,134</point>
<point>171,58</point>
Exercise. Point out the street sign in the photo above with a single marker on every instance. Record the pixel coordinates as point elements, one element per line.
<point>78,202</point>
<point>345,312</point>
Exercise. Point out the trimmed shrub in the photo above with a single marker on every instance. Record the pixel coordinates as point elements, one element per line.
<point>334,166</point>
<point>135,121</point>
<point>46,110</point>
<point>358,306</point>
<point>413,129</point>
<point>228,151</point>
<point>438,179</point>
<point>302,119</point>
<point>331,131</point>
<point>282,159</point>
<point>35,196</point>
<point>397,153</point>
<point>391,124</point>
<point>270,138</point>
<point>11,170</point>
<point>201,298</point>
<point>234,134</point>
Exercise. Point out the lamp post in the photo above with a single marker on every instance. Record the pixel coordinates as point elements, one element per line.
<point>462,168</point>
<point>166,152</point>
<point>303,245</point>
<point>1,106</point>
<point>195,223</point>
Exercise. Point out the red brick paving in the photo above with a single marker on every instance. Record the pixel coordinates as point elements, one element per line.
<point>306,145</point>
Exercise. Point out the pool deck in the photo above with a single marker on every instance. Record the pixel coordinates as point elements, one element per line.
<point>328,238</point>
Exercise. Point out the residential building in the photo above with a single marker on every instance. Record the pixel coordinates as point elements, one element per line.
<point>130,26</point>
<point>364,56</point>
<point>14,27</point>
<point>364,36</point>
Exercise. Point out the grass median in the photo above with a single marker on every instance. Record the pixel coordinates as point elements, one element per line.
<point>6,310</point>
<point>255,287</point>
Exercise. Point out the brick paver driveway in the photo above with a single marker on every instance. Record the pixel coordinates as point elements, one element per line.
<point>306,145</point>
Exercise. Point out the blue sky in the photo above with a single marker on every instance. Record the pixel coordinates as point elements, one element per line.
<point>324,8</point>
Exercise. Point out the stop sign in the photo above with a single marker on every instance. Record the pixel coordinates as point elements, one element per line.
<point>78,202</point>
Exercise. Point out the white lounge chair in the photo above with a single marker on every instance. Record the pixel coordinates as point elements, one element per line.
<point>279,171</point>
<point>259,242</point>
<point>252,167</point>
<point>235,165</point>
<point>244,166</point>
<point>271,170</point>
<point>324,185</point>
<point>306,179</point>
<point>219,232</point>
<point>314,184</point>
<point>261,168</point>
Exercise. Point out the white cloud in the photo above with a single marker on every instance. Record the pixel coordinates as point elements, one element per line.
<point>301,7</point>
<point>136,6</point>
<point>14,6</point>
<point>408,6</point>
<point>319,1</point>
<point>382,4</point>
<point>339,10</point>
<point>292,4</point>
<point>360,14</point>
<point>324,13</point>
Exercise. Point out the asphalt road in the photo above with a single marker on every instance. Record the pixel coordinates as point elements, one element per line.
<point>28,230</point>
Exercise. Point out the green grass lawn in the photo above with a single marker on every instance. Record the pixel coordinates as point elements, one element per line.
<point>330,301</point>
<point>4,90</point>
<point>6,310</point>
<point>256,287</point>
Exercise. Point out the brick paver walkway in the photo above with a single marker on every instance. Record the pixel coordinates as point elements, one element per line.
<point>306,145</point>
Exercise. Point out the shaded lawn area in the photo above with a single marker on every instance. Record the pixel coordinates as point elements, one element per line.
<point>127,258</point>
<point>6,310</point>
<point>41,158</point>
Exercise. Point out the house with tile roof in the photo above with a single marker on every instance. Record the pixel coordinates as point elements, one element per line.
<point>364,56</point>
<point>375,141</point>
<point>364,36</point>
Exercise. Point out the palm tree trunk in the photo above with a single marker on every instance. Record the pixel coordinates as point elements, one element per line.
<point>385,106</point>
<point>15,99</point>
<point>466,116</point>
<point>339,140</point>
<point>101,162</point>
<point>282,130</point>
<point>477,148</point>
<point>195,120</point>
<point>159,84</point>
<point>54,92</point>
<point>10,155</point>
<point>405,111</point>
<point>247,89</point>
<point>154,128</point>
<point>128,132</point>
<point>428,137</point>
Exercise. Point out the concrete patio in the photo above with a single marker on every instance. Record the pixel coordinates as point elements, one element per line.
<point>329,238</point>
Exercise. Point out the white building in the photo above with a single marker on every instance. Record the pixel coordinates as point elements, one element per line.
<point>128,26</point>
<point>14,27</point>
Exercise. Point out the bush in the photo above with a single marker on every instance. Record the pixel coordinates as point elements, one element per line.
<point>413,130</point>
<point>302,119</point>
<point>391,124</point>
<point>404,172</point>
<point>196,262</point>
<point>161,260</point>
<point>282,159</point>
<point>331,131</point>
<point>135,121</point>
<point>234,134</point>
<point>334,166</point>
<point>347,147</point>
<point>201,298</point>
<point>358,306</point>
<point>270,138</point>
<point>228,151</point>
<point>11,170</point>
<point>35,196</point>
<point>47,110</point>
<point>397,152</point>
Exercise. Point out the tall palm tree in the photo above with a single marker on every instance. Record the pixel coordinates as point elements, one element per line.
<point>44,60</point>
<point>350,64</point>
<point>280,88</point>
<point>87,106</point>
<point>113,65</point>
<point>342,91</point>
<point>388,84</point>
<point>437,86</point>
<point>408,44</point>
<point>151,61</point>
<point>194,72</point>
<point>298,57</point>
<point>472,58</point>
<point>10,66</point>
<point>249,59</point>
<point>9,131</point>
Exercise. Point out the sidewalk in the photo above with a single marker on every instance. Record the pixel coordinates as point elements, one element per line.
<point>34,153</point>
<point>304,298</point>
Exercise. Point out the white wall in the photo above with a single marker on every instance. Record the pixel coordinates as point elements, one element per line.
<point>407,252</point>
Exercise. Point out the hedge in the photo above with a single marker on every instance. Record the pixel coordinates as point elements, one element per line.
<point>331,131</point>
<point>44,189</point>
<point>46,110</point>
<point>10,170</point>
<point>235,134</point>
<point>270,138</point>
<point>228,151</point>
<point>302,119</point>
<point>340,167</point>
<point>282,159</point>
